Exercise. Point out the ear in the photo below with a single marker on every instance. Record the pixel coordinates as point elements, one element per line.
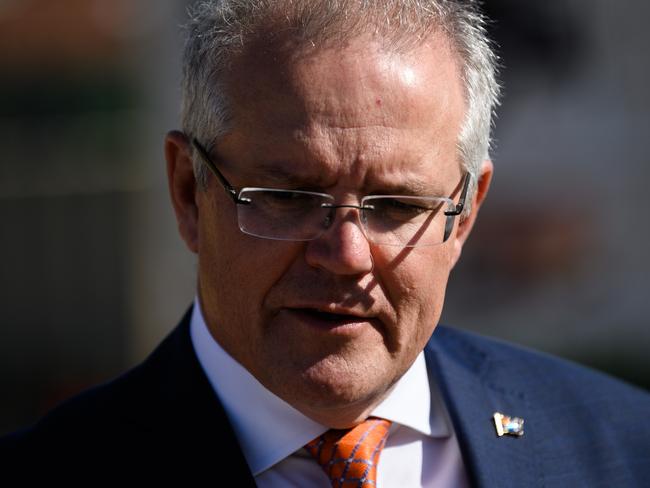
<point>182,187</point>
<point>466,224</point>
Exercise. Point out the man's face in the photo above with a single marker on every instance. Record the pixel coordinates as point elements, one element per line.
<point>329,325</point>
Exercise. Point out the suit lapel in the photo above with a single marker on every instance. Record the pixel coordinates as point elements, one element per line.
<point>196,428</point>
<point>475,386</point>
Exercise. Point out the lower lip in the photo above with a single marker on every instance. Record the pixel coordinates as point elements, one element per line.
<point>330,322</point>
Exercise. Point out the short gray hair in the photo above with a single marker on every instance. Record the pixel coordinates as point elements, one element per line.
<point>219,29</point>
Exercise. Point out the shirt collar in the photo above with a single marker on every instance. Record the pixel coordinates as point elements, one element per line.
<point>269,429</point>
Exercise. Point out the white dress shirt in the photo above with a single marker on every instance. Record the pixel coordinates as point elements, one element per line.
<point>421,450</point>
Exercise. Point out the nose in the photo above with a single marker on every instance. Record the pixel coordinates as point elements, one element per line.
<point>343,249</point>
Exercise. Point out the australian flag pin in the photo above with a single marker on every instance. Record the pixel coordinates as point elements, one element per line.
<point>507,425</point>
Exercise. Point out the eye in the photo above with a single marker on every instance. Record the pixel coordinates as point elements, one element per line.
<point>285,198</point>
<point>402,208</point>
<point>284,202</point>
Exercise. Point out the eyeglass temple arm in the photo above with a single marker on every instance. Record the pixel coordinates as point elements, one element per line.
<point>461,203</point>
<point>222,179</point>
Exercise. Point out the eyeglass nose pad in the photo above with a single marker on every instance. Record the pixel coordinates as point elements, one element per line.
<point>331,215</point>
<point>329,219</point>
<point>363,218</point>
<point>449,225</point>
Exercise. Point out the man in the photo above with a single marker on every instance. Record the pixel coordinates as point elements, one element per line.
<point>333,159</point>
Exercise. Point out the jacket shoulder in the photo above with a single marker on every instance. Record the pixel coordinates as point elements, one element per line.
<point>162,412</point>
<point>100,412</point>
<point>532,368</point>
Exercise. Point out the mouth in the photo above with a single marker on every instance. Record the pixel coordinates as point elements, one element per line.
<point>328,320</point>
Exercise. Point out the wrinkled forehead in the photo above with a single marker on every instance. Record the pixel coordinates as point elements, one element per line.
<point>290,82</point>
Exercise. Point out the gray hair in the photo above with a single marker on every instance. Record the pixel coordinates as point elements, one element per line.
<point>220,29</point>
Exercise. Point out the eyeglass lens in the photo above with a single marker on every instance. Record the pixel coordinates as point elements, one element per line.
<point>302,216</point>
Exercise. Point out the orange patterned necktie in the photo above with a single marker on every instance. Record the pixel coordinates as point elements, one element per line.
<point>350,456</point>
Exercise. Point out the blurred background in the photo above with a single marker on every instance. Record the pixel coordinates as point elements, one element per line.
<point>94,275</point>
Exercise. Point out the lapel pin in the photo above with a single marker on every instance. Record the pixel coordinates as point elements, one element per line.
<point>507,425</point>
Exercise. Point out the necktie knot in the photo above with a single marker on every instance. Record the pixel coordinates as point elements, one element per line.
<point>349,457</point>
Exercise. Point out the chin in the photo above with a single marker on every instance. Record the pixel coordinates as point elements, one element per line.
<point>334,385</point>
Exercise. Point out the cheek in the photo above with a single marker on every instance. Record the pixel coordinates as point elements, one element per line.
<point>223,249</point>
<point>416,289</point>
<point>431,274</point>
<point>237,270</point>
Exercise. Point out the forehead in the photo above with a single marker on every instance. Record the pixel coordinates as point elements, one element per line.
<point>356,108</point>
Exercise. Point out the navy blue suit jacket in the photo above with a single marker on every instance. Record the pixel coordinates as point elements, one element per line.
<point>162,419</point>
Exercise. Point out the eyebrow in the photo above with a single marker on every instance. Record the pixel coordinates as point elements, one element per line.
<point>276,174</point>
<point>408,186</point>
